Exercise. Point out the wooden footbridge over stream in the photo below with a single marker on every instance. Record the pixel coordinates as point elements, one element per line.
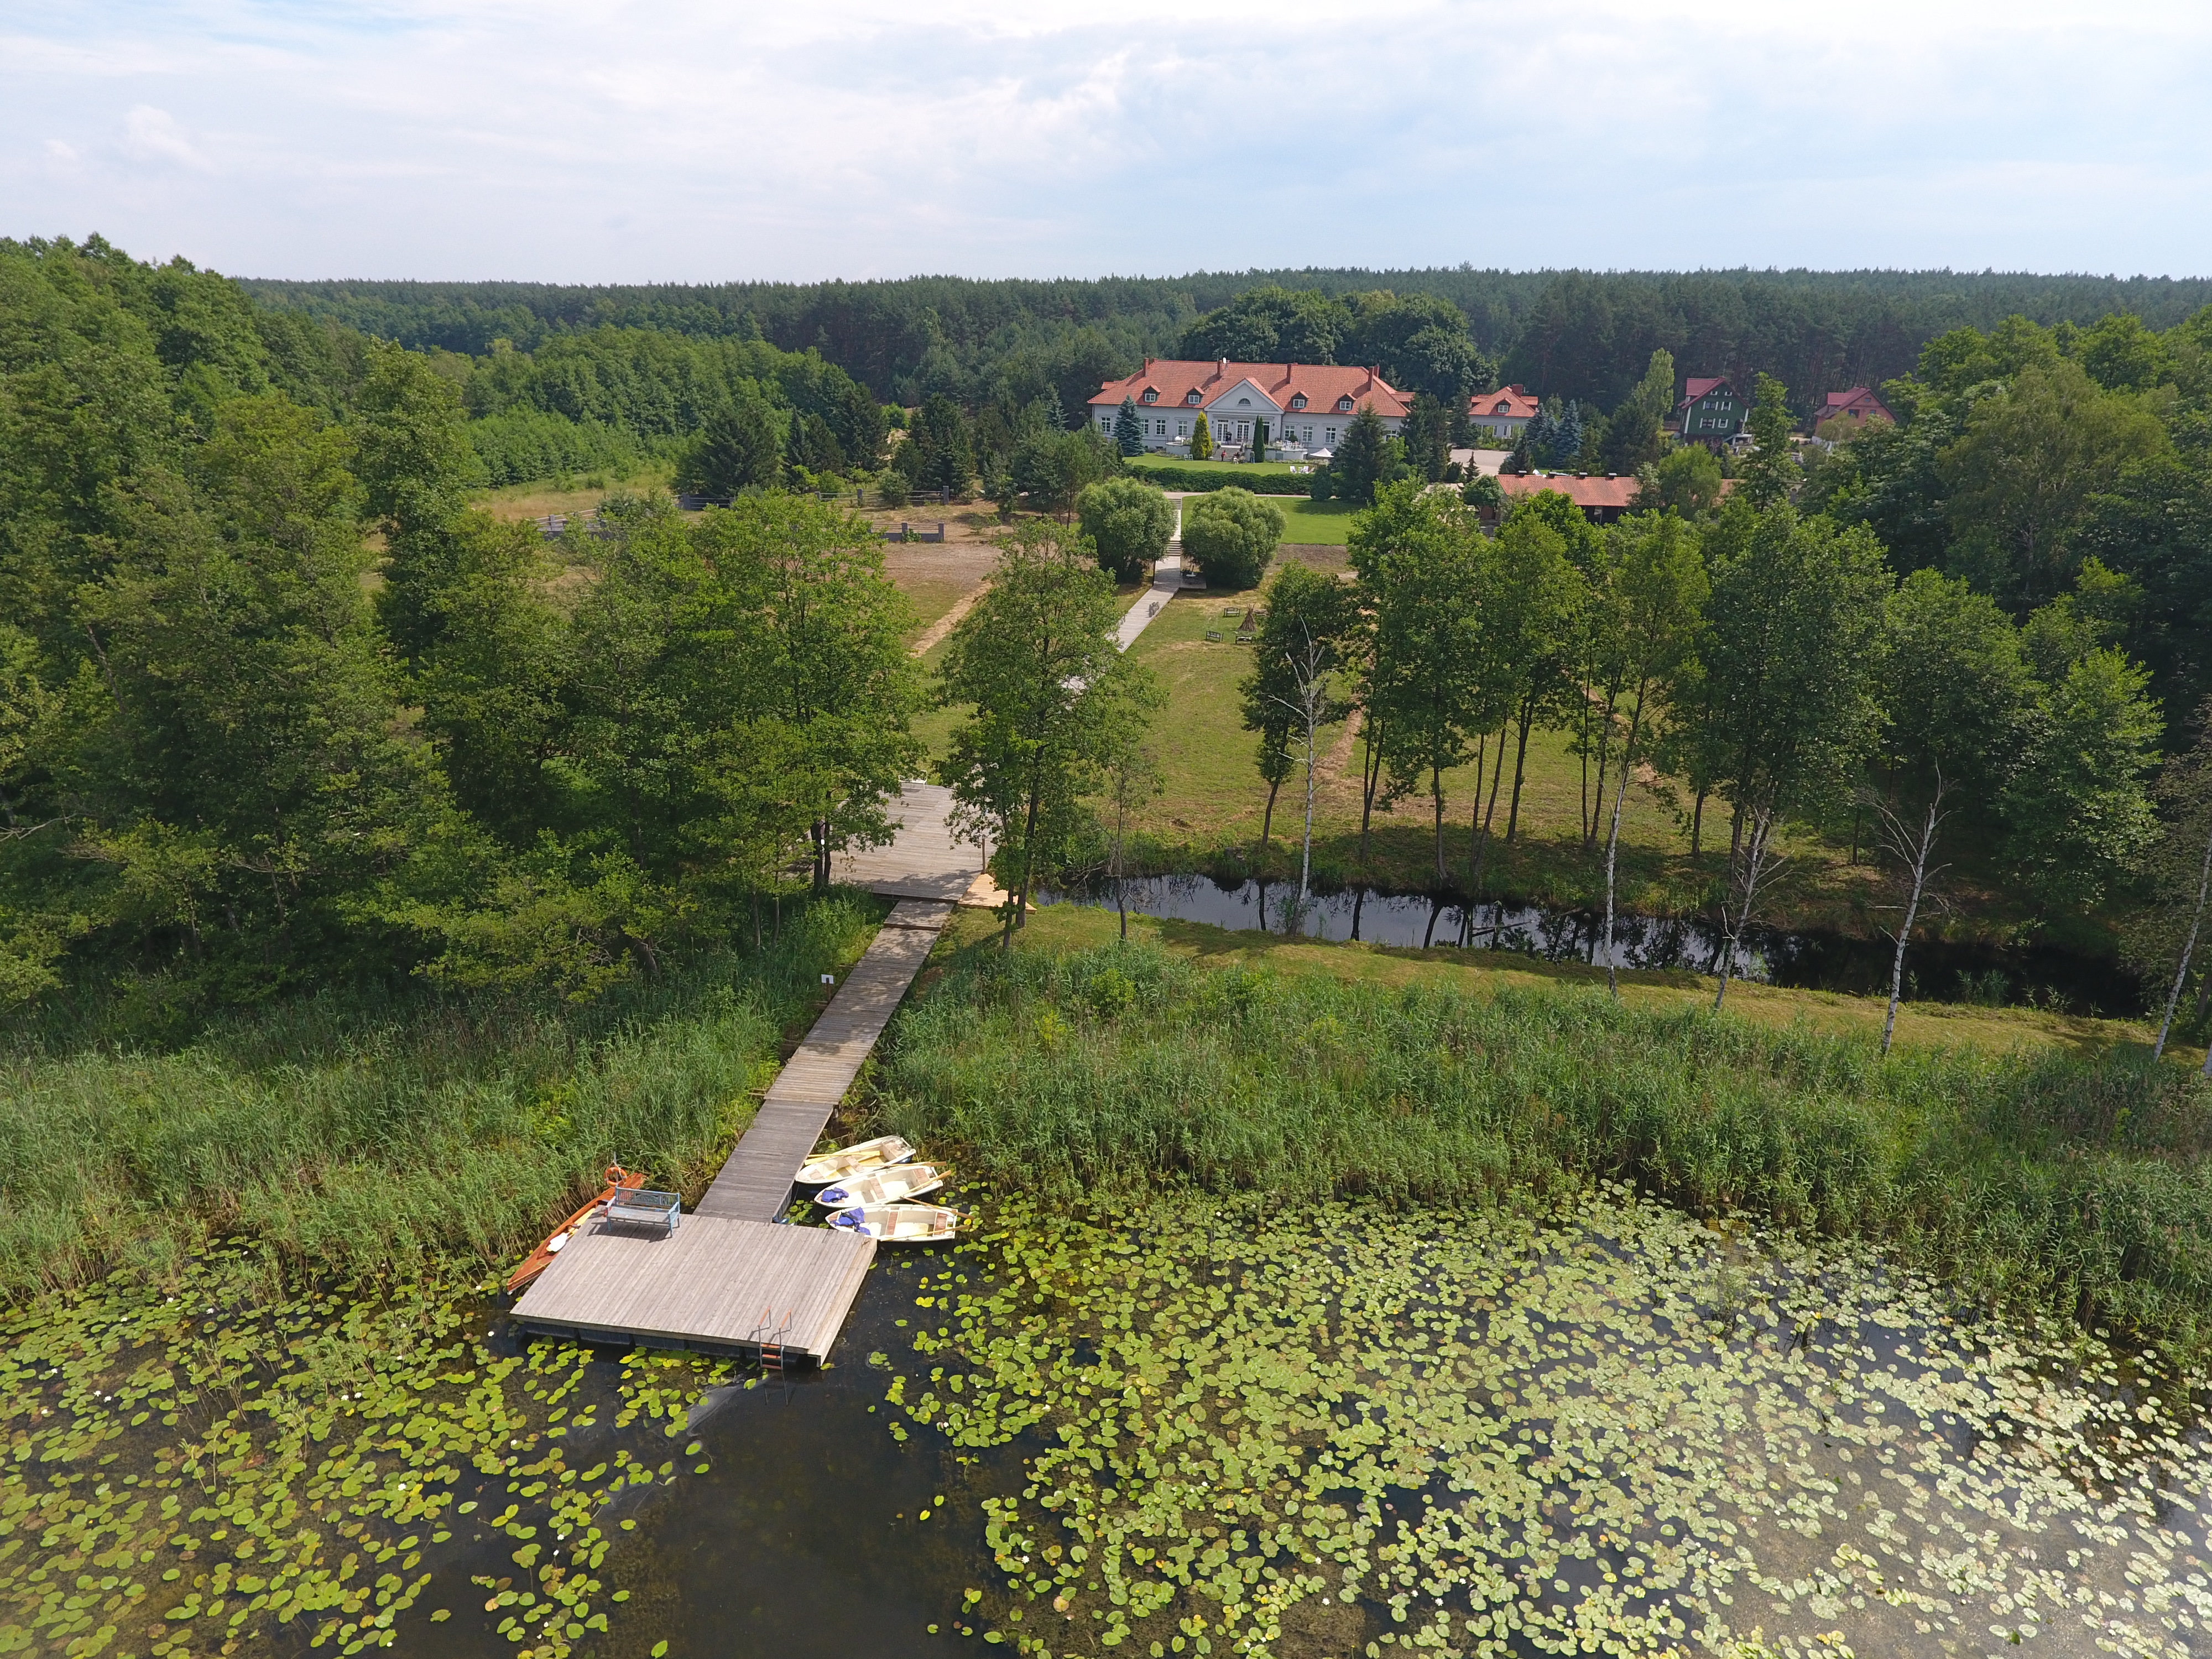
<point>731,1276</point>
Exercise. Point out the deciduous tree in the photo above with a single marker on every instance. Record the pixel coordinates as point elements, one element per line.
<point>1129,521</point>
<point>1792,654</point>
<point>2020,477</point>
<point>1231,535</point>
<point>1652,611</point>
<point>1304,608</point>
<point>1049,696</point>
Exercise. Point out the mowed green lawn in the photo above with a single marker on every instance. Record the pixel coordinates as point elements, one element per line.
<point>1305,521</point>
<point>1141,464</point>
<point>1213,785</point>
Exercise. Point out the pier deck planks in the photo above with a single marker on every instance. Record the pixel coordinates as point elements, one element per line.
<point>712,1283</point>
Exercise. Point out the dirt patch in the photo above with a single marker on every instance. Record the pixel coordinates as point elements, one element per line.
<point>1328,557</point>
<point>964,564</point>
<point>963,521</point>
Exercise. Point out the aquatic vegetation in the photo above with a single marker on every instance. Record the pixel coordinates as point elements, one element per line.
<point>193,1466</point>
<point>2058,1185</point>
<point>1335,1429</point>
<point>374,1134</point>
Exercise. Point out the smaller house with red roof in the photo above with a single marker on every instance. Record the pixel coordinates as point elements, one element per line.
<point>1711,411</point>
<point>1293,409</point>
<point>1602,499</point>
<point>1503,412</point>
<point>1857,407</point>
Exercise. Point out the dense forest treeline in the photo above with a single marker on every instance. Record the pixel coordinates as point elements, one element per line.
<point>277,707</point>
<point>1571,334</point>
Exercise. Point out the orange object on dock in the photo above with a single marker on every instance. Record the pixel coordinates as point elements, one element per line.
<point>542,1258</point>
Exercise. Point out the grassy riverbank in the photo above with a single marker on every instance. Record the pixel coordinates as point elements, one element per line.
<point>356,1133</point>
<point>2070,1182</point>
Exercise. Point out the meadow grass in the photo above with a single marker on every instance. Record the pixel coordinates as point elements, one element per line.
<point>1306,520</point>
<point>363,1131</point>
<point>543,497</point>
<point>2038,1179</point>
<point>1210,815</point>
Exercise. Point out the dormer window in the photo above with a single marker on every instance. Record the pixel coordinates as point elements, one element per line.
<point>1344,405</point>
<point>1151,395</point>
<point>1297,400</point>
<point>1190,396</point>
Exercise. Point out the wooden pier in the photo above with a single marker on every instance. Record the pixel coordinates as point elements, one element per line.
<point>730,1278</point>
<point>756,1183</point>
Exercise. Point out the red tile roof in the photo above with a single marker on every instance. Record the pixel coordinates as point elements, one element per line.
<point>1699,385</point>
<point>1511,401</point>
<point>1858,397</point>
<point>1323,384</point>
<point>1613,492</point>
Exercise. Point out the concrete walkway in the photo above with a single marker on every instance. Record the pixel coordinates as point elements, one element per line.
<point>1167,582</point>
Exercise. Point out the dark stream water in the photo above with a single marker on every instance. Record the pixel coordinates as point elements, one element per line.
<point>1936,969</point>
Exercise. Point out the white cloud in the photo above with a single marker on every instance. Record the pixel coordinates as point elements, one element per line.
<point>59,156</point>
<point>861,137</point>
<point>153,134</point>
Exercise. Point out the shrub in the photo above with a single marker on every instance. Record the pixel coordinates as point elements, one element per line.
<point>1206,479</point>
<point>1129,521</point>
<point>1231,536</point>
<point>1483,492</point>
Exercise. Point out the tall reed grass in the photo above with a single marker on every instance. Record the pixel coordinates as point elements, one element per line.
<point>2073,1185</point>
<point>359,1132</point>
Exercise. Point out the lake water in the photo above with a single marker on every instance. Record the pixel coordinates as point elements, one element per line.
<point>1940,969</point>
<point>1251,1428</point>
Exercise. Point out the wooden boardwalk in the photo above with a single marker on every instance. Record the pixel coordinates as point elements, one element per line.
<point>756,1183</point>
<point>924,861</point>
<point>729,1277</point>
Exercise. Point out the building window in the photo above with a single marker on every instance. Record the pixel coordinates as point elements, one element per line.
<point>1160,429</point>
<point>1182,429</point>
<point>1344,405</point>
<point>1308,435</point>
<point>1190,396</point>
<point>1151,396</point>
<point>1299,401</point>
<point>1329,435</point>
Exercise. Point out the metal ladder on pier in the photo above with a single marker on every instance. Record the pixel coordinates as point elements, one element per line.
<point>768,1340</point>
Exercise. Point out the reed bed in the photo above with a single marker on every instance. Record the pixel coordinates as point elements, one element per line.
<point>362,1133</point>
<point>2072,1186</point>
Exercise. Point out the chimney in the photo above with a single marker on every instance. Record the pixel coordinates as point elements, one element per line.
<point>1221,370</point>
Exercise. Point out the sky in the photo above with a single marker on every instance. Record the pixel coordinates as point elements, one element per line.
<point>561,140</point>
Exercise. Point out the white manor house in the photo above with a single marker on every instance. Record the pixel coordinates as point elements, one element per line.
<point>1295,410</point>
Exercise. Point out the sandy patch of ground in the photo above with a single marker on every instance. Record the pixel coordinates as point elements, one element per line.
<point>941,579</point>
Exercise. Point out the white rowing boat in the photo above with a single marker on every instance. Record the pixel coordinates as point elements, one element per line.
<point>877,1154</point>
<point>900,1224</point>
<point>882,1186</point>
